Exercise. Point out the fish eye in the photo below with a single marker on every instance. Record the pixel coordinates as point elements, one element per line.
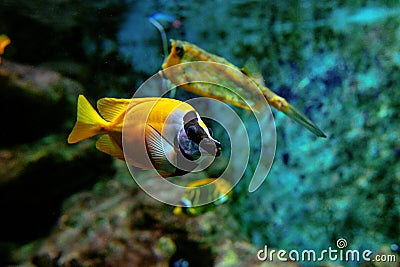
<point>191,132</point>
<point>179,50</point>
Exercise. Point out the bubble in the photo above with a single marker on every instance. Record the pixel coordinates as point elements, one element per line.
<point>203,75</point>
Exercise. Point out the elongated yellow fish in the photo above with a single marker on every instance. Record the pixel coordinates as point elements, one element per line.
<point>168,128</point>
<point>195,194</point>
<point>4,42</point>
<point>182,52</point>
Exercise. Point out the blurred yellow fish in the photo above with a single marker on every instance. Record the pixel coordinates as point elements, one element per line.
<point>196,193</point>
<point>4,41</point>
<point>169,128</point>
<point>182,52</point>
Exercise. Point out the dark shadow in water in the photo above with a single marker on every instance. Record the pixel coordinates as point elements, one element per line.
<point>190,253</point>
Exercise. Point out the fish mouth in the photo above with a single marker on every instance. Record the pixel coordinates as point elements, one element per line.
<point>210,147</point>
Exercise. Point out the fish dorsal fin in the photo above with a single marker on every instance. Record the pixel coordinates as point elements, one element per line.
<point>112,108</point>
<point>158,148</point>
<point>252,70</point>
<point>107,145</point>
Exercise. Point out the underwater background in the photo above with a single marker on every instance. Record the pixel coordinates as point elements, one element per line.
<point>71,205</point>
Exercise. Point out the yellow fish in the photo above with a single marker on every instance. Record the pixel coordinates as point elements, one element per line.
<point>4,41</point>
<point>182,52</point>
<point>167,129</point>
<point>195,194</point>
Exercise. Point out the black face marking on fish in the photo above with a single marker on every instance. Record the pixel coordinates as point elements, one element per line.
<point>189,149</point>
<point>179,50</point>
<point>193,137</point>
<point>192,128</point>
<point>194,131</point>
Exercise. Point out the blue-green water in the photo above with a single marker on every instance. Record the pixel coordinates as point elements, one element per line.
<point>336,61</point>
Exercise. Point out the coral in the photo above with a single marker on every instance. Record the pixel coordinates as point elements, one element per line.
<point>117,224</point>
<point>36,164</point>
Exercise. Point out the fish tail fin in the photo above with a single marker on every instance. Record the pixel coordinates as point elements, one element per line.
<point>88,124</point>
<point>296,115</point>
<point>282,105</point>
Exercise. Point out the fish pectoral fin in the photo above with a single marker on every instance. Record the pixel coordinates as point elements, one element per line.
<point>252,70</point>
<point>107,145</point>
<point>158,148</point>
